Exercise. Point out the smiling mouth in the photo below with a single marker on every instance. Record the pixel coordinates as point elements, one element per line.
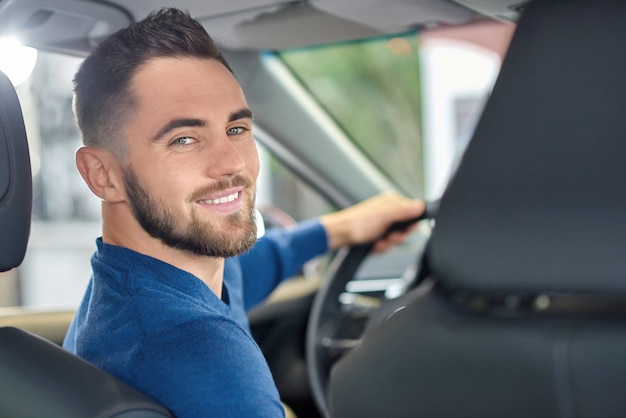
<point>224,199</point>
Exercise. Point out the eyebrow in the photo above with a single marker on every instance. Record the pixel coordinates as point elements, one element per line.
<point>193,122</point>
<point>178,123</point>
<point>241,114</point>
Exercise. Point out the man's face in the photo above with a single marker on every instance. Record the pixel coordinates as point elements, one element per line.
<point>192,161</point>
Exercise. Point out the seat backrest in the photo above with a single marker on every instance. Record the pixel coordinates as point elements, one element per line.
<point>16,193</point>
<point>40,379</point>
<point>37,377</point>
<point>526,313</point>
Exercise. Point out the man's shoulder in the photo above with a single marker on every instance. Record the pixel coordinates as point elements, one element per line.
<point>215,363</point>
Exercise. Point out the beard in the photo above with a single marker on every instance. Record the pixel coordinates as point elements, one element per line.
<point>198,237</point>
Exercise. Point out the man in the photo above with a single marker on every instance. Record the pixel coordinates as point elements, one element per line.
<point>170,152</point>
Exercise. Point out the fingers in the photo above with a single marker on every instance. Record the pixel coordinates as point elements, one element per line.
<point>369,220</point>
<point>392,239</point>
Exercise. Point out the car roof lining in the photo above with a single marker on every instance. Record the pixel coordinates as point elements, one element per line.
<point>75,27</point>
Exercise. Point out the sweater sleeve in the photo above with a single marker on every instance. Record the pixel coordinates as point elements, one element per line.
<point>278,255</point>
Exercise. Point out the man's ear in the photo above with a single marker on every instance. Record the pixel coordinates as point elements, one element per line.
<point>102,172</point>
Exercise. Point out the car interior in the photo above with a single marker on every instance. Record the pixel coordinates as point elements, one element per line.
<point>506,301</point>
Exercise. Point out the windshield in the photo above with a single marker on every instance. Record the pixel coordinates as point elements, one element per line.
<point>372,90</point>
<point>409,102</point>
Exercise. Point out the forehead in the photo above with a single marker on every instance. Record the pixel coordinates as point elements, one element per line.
<point>164,86</point>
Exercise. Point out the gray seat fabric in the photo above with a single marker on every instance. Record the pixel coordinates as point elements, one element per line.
<point>526,316</point>
<point>37,377</point>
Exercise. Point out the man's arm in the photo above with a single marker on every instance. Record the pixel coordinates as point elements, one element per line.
<point>278,255</point>
<point>282,252</point>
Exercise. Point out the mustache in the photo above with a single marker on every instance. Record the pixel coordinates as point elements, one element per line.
<point>234,181</point>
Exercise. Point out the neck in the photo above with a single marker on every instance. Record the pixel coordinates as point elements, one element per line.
<point>120,228</point>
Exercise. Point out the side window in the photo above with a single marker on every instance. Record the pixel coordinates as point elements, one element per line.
<point>371,89</point>
<point>410,102</point>
<point>283,196</point>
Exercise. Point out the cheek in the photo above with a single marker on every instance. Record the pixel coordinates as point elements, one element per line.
<point>251,157</point>
<point>161,181</point>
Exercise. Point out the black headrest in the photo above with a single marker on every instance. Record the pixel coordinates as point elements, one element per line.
<point>538,202</point>
<point>15,179</point>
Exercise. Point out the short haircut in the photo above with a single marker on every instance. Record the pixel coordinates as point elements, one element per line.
<point>103,99</point>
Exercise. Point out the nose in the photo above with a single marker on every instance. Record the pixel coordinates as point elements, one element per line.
<point>224,159</point>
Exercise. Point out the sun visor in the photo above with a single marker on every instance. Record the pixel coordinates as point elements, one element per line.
<point>389,16</point>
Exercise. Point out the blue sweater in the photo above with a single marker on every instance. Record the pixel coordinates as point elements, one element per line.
<point>164,332</point>
<point>280,254</point>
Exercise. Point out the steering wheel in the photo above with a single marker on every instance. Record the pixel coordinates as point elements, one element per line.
<point>328,319</point>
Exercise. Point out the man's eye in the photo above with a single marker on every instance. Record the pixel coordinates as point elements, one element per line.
<point>237,130</point>
<point>183,140</point>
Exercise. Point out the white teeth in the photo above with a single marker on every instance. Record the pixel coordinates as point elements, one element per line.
<point>224,199</point>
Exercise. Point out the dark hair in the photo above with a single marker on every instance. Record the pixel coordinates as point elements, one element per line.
<point>103,99</point>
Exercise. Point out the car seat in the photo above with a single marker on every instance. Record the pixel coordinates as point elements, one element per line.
<point>523,312</point>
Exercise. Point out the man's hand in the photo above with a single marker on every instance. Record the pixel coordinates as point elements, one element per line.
<point>369,220</point>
